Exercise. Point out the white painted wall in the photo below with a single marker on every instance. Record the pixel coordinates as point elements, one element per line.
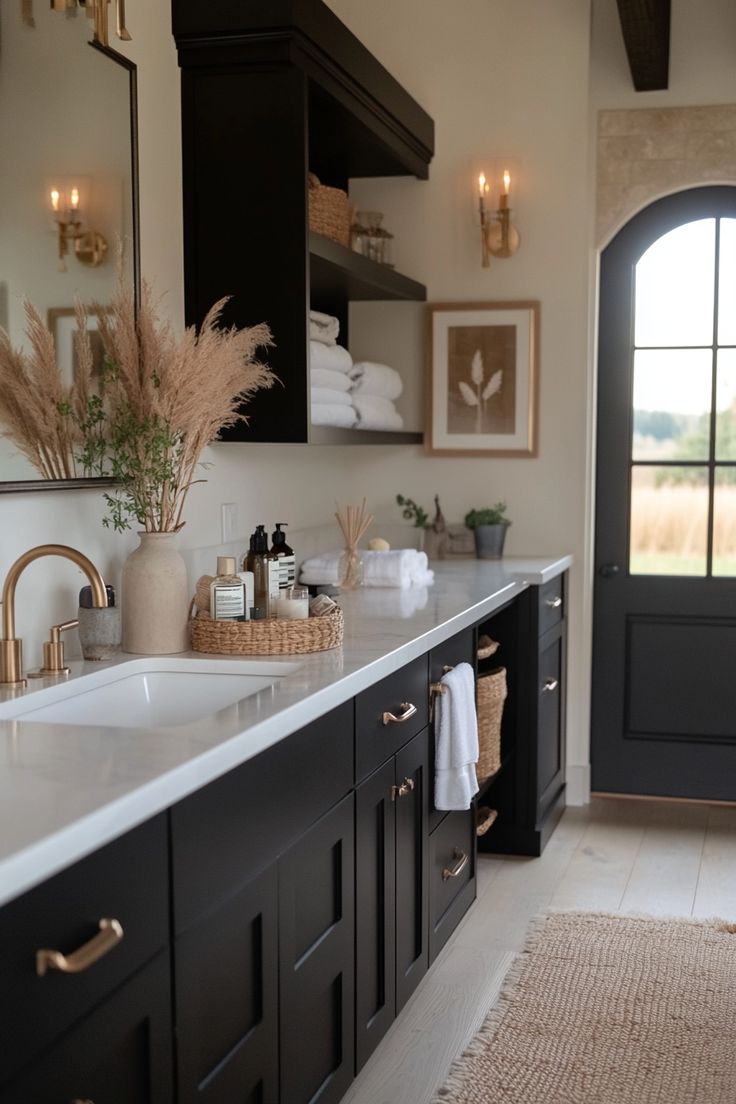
<point>503,81</point>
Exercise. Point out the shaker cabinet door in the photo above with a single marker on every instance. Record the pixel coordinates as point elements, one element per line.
<point>412,844</point>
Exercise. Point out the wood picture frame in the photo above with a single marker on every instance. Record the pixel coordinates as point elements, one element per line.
<point>482,378</point>
<point>62,323</point>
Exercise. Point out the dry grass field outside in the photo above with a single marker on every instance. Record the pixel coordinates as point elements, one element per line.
<point>669,529</point>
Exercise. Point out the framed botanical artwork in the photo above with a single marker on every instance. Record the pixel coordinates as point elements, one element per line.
<point>483,379</point>
<point>62,322</point>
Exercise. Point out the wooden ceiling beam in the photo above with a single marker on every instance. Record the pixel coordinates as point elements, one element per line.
<point>646,29</point>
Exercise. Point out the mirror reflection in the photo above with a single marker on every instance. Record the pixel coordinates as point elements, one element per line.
<point>67,216</point>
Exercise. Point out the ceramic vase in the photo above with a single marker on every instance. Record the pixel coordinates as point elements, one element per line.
<point>155,598</point>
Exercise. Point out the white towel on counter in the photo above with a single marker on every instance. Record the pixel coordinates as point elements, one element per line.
<point>329,395</point>
<point>456,740</point>
<point>401,567</point>
<point>375,379</point>
<point>333,414</point>
<point>323,327</point>
<point>325,377</point>
<point>333,357</point>
<point>376,413</point>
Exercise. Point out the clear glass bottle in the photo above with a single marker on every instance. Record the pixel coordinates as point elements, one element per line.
<point>227,592</point>
<point>350,569</point>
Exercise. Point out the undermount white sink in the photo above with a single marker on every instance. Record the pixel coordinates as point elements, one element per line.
<point>147,693</point>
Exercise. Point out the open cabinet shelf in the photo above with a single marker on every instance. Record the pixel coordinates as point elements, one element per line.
<point>270,93</point>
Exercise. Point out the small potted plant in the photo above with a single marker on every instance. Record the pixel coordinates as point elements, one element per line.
<point>489,527</point>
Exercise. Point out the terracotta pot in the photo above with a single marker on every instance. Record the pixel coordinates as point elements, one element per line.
<point>155,597</point>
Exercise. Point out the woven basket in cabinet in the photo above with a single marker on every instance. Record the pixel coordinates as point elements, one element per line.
<point>329,211</point>
<point>491,697</point>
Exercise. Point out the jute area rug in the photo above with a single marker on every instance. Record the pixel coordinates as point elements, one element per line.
<point>605,1009</point>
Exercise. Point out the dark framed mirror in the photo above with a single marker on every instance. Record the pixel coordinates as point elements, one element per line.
<point>68,188</point>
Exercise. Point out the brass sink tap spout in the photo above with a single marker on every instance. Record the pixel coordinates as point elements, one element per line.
<point>11,648</point>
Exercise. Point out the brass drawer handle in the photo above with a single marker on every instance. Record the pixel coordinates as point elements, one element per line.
<point>461,861</point>
<point>407,710</point>
<point>78,1100</point>
<point>402,789</point>
<point>553,603</point>
<point>550,684</point>
<point>109,935</point>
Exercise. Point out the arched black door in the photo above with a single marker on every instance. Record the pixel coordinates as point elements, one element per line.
<point>664,645</point>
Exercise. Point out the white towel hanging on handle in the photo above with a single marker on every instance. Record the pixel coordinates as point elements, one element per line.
<point>456,740</point>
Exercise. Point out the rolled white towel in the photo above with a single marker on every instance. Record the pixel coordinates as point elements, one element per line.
<point>401,567</point>
<point>325,377</point>
<point>333,414</point>
<point>376,413</point>
<point>333,357</point>
<point>328,395</point>
<point>375,379</point>
<point>323,327</point>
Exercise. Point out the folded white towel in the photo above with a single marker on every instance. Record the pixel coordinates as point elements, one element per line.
<point>376,413</point>
<point>333,414</point>
<point>401,567</point>
<point>328,395</point>
<point>323,327</point>
<point>325,377</point>
<point>375,379</point>
<point>456,740</point>
<point>333,357</point>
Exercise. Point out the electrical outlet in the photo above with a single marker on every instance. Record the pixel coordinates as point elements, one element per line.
<point>230,522</point>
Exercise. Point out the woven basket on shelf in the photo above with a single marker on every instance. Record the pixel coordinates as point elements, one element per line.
<point>486,647</point>
<point>329,211</point>
<point>491,696</point>
<point>272,637</point>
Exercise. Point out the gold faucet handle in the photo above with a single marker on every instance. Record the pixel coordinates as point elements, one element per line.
<point>53,653</point>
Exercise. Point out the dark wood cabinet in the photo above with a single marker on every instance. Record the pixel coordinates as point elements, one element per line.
<point>121,1053</point>
<point>529,791</point>
<point>391,890</point>
<point>270,93</point>
<point>317,961</point>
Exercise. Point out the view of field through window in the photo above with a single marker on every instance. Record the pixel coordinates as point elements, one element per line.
<point>683,469</point>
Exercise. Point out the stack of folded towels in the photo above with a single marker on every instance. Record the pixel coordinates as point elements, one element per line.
<point>401,567</point>
<point>347,394</point>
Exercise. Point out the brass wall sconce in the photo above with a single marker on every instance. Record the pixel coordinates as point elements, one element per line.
<point>67,201</point>
<point>498,235</point>
<point>97,11</point>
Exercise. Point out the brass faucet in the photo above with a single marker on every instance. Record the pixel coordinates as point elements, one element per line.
<point>11,648</point>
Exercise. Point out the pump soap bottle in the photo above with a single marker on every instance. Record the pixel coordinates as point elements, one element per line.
<point>285,556</point>
<point>264,566</point>
<point>227,593</point>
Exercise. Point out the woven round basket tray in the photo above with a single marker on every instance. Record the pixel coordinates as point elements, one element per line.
<point>272,637</point>
<point>329,211</point>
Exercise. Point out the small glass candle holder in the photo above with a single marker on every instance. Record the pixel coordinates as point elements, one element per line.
<point>292,603</point>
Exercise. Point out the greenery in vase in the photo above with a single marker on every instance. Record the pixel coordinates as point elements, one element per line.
<point>489,515</point>
<point>162,399</point>
<point>412,512</point>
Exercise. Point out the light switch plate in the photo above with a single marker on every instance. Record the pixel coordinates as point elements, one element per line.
<point>230,522</point>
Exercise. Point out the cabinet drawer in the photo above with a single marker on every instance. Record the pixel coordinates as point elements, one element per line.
<point>224,834</point>
<point>451,876</point>
<point>127,881</point>
<point>551,603</point>
<point>375,742</point>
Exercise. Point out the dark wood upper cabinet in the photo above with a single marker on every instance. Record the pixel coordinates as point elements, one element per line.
<point>269,94</point>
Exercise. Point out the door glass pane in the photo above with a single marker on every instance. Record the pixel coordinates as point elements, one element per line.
<point>672,395</point>
<point>726,405</point>
<point>727,284</point>
<point>724,522</point>
<point>669,520</point>
<point>674,287</point>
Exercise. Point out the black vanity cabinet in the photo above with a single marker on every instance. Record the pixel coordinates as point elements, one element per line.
<point>103,1032</point>
<point>271,92</point>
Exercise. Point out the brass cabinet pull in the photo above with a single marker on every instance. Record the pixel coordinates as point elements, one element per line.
<point>109,935</point>
<point>553,603</point>
<point>407,710</point>
<point>78,1100</point>
<point>402,789</point>
<point>461,861</point>
<point>550,684</point>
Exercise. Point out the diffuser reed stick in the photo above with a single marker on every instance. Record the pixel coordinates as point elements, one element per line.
<point>353,524</point>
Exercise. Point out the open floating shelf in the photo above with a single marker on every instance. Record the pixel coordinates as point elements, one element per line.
<point>338,435</point>
<point>338,272</point>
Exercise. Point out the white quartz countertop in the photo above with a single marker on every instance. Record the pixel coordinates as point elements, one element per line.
<point>67,790</point>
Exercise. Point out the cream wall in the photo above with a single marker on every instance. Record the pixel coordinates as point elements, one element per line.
<point>504,83</point>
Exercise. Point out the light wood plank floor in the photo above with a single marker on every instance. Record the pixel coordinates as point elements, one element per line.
<point>612,855</point>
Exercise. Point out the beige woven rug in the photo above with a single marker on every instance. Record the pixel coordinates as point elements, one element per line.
<point>604,1009</point>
